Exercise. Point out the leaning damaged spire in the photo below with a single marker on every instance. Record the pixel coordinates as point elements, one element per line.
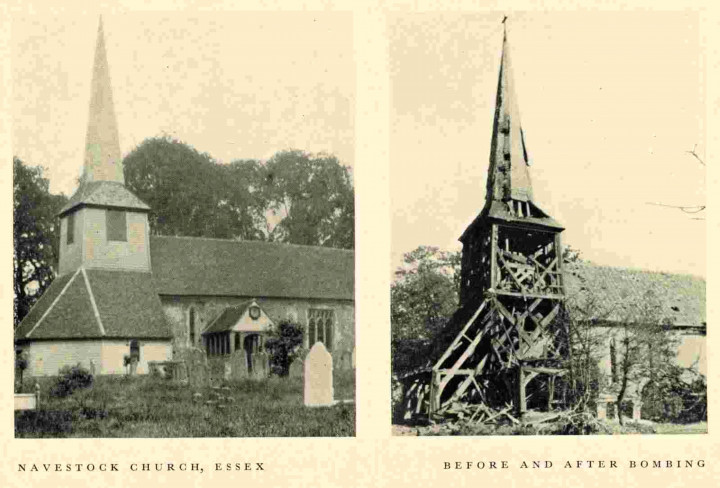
<point>102,147</point>
<point>509,193</point>
<point>509,176</point>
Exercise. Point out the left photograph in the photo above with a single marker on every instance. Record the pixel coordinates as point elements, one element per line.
<point>184,224</point>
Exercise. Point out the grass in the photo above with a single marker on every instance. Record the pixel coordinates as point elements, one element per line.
<point>697,428</point>
<point>144,406</point>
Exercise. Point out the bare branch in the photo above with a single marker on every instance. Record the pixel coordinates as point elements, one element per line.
<point>687,209</point>
<point>696,155</point>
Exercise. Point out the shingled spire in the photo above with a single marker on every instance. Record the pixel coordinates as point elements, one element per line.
<point>509,194</point>
<point>102,147</point>
<point>509,177</point>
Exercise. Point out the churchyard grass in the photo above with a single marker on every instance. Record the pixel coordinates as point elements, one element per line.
<point>144,406</point>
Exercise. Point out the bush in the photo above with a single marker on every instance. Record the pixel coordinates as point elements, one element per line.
<point>71,378</point>
<point>284,345</point>
<point>680,397</point>
<point>410,354</point>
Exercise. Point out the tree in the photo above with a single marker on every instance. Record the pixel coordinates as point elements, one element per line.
<point>284,345</point>
<point>36,235</point>
<point>189,194</point>
<point>646,348</point>
<point>424,297</point>
<point>312,199</point>
<point>295,197</point>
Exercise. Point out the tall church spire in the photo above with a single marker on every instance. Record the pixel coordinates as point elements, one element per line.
<point>509,175</point>
<point>102,147</point>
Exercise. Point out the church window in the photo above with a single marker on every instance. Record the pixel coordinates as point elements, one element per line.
<point>135,351</point>
<point>191,326</point>
<point>71,228</point>
<point>116,225</point>
<point>321,324</point>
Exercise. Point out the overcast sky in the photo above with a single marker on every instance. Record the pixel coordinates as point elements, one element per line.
<point>609,104</point>
<point>232,84</point>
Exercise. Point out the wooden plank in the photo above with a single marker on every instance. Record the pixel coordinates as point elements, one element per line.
<point>458,338</point>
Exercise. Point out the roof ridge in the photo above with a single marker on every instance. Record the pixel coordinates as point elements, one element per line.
<point>276,243</point>
<point>54,302</point>
<point>96,312</point>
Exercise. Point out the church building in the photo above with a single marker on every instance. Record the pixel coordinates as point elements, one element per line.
<point>122,293</point>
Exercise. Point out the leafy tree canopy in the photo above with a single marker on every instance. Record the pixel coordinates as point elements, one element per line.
<point>295,197</point>
<point>35,235</point>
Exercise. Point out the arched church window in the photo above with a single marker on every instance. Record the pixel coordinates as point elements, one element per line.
<point>321,327</point>
<point>191,327</point>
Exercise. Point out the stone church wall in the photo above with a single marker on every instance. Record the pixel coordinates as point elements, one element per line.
<point>177,313</point>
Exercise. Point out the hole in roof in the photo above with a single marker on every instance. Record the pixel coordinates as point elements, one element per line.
<point>675,308</point>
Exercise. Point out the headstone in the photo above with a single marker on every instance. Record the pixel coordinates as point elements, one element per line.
<point>198,371</point>
<point>296,368</point>
<point>318,377</point>
<point>637,409</point>
<point>238,365</point>
<point>345,363</point>
<point>261,365</point>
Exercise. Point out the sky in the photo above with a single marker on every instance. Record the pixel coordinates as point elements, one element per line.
<point>609,103</point>
<point>236,85</point>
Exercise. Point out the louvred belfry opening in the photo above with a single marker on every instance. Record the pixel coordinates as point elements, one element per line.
<point>505,346</point>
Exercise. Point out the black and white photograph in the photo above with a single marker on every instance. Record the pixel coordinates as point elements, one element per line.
<point>183,224</point>
<point>548,275</point>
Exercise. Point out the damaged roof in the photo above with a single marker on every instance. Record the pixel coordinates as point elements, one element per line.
<point>615,294</point>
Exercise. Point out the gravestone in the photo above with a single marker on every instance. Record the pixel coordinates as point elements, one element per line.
<point>345,361</point>
<point>296,368</point>
<point>261,365</point>
<point>238,365</point>
<point>198,371</point>
<point>318,377</point>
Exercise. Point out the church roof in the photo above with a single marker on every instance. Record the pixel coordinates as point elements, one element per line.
<point>228,318</point>
<point>97,304</point>
<point>218,267</point>
<point>104,194</point>
<point>680,297</point>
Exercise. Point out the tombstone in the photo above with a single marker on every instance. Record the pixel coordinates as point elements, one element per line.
<point>318,377</point>
<point>227,370</point>
<point>238,365</point>
<point>345,361</point>
<point>636,409</point>
<point>296,368</point>
<point>198,371</point>
<point>260,365</point>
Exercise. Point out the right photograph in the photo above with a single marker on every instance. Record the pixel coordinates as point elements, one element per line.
<point>549,274</point>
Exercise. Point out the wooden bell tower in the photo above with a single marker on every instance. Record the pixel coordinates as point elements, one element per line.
<point>505,333</point>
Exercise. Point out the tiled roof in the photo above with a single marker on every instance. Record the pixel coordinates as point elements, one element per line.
<point>217,267</point>
<point>106,194</point>
<point>228,318</point>
<point>618,291</point>
<point>126,301</point>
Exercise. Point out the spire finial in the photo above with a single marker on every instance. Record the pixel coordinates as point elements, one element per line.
<point>504,27</point>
